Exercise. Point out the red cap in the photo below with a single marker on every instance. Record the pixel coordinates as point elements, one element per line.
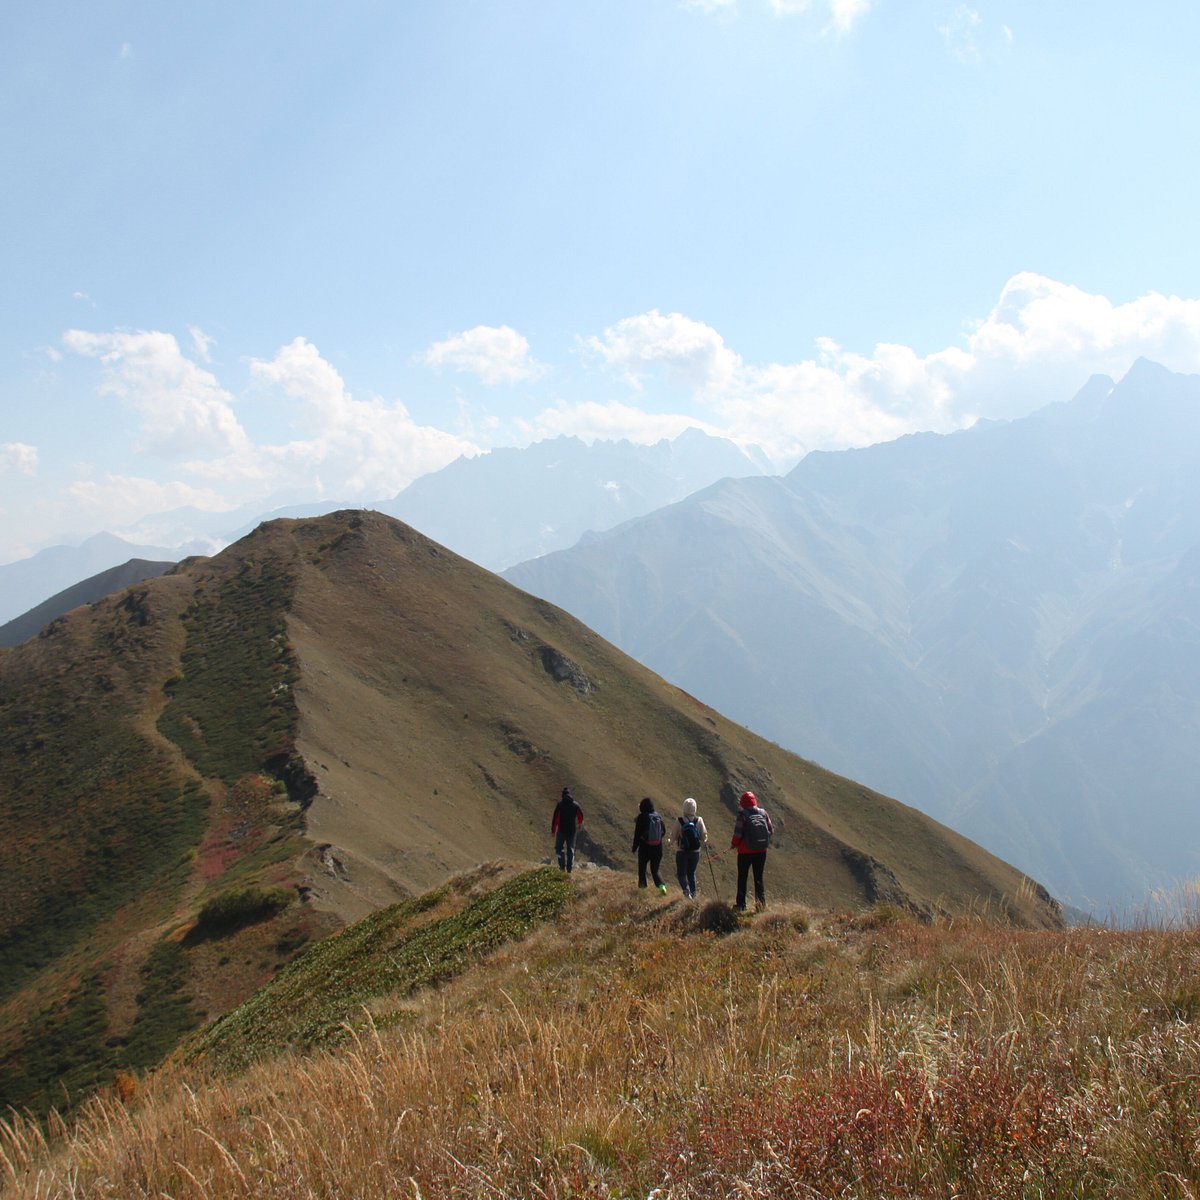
<point>749,800</point>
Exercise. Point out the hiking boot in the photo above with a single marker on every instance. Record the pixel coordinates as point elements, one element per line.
<point>662,887</point>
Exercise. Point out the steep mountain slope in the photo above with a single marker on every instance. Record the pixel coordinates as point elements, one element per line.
<point>983,624</point>
<point>512,504</point>
<point>116,579</point>
<point>441,738</point>
<point>207,770</point>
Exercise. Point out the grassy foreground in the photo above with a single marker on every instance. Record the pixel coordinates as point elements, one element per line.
<point>631,1046</point>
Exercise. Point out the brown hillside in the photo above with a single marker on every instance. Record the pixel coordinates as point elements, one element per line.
<point>331,714</point>
<point>442,710</point>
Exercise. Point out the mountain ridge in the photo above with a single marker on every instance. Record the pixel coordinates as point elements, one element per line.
<point>491,507</point>
<point>218,765</point>
<point>913,612</point>
<point>87,591</point>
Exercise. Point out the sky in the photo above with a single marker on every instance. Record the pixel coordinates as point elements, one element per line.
<point>260,253</point>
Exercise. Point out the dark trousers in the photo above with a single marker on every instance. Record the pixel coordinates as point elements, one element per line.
<point>686,862</point>
<point>757,861</point>
<point>564,847</point>
<point>649,856</point>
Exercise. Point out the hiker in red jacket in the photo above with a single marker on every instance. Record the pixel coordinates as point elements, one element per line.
<point>752,830</point>
<point>567,821</point>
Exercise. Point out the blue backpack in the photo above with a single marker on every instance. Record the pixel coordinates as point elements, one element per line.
<point>689,834</point>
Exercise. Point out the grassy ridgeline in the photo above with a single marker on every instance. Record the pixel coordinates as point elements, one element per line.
<point>624,1047</point>
<point>231,709</point>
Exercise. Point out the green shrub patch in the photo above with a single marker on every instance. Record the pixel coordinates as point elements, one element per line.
<point>231,709</point>
<point>236,908</point>
<point>60,1055</point>
<point>313,1002</point>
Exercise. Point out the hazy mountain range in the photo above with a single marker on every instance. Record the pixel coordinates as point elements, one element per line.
<point>1001,626</point>
<point>509,505</point>
<point>496,509</point>
<point>212,767</point>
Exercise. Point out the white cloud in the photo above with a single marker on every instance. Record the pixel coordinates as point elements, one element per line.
<point>1043,338</point>
<point>333,444</point>
<point>845,14</point>
<point>1039,344</point>
<point>201,343</point>
<point>355,448</point>
<point>181,407</point>
<point>303,374</point>
<point>496,354</point>
<point>688,351</point>
<point>968,36</point>
<point>18,458</point>
<point>119,499</point>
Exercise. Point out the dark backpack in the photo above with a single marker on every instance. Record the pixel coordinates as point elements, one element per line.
<point>654,829</point>
<point>689,835</point>
<point>756,833</point>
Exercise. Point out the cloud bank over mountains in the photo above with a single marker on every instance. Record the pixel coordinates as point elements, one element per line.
<point>292,423</point>
<point>1039,344</point>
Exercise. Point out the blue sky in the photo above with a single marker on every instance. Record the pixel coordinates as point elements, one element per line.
<point>260,251</point>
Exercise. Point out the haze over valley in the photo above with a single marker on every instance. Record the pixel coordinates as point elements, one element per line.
<point>1001,626</point>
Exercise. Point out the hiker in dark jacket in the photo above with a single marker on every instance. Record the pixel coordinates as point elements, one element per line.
<point>689,835</point>
<point>752,830</point>
<point>648,832</point>
<point>567,821</point>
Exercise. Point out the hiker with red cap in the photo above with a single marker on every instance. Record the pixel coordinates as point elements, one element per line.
<point>752,830</point>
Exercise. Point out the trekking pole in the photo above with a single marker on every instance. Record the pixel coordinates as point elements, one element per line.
<point>712,871</point>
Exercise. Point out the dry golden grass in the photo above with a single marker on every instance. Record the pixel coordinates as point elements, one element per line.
<point>627,1051</point>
